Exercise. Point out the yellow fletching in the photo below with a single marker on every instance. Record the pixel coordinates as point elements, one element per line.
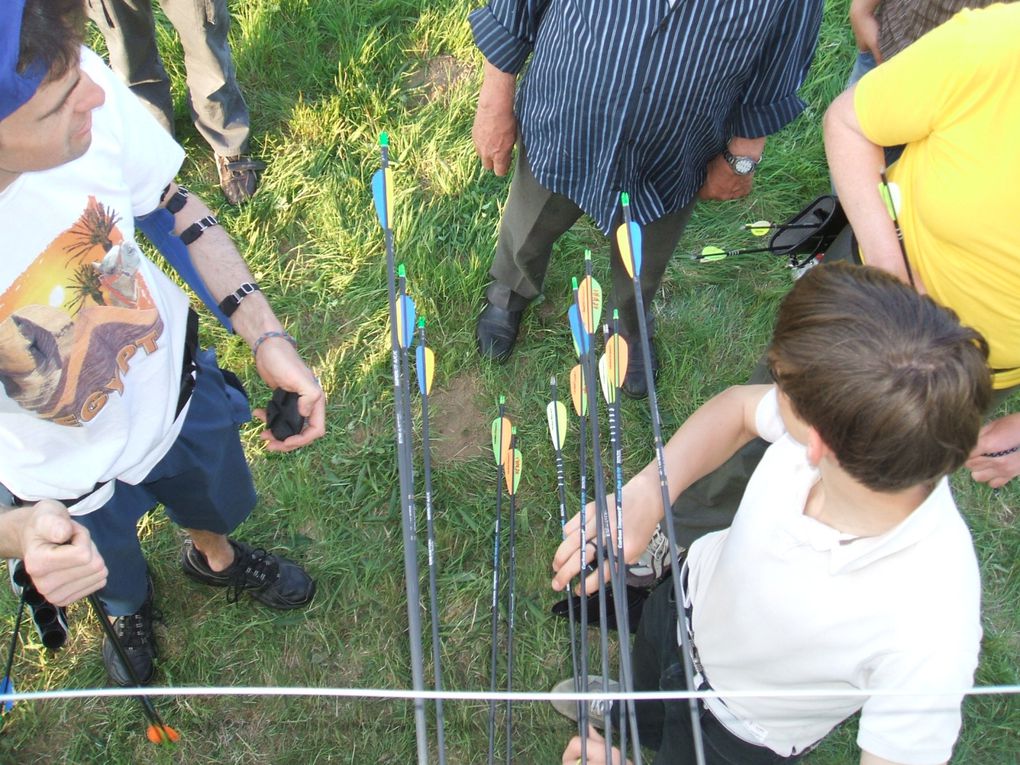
<point>623,243</point>
<point>512,464</point>
<point>578,390</point>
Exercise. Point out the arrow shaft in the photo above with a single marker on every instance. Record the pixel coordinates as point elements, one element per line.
<point>601,515</point>
<point>511,606</point>
<point>430,534</point>
<point>147,706</point>
<point>653,404</point>
<point>561,491</point>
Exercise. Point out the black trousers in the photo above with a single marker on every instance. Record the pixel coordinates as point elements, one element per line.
<point>666,725</point>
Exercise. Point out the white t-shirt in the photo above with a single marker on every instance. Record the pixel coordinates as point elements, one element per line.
<point>91,332</point>
<point>783,601</point>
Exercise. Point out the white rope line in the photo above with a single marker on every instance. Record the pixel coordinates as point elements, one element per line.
<point>395,693</point>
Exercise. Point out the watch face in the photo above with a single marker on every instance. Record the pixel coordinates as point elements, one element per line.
<point>743,165</point>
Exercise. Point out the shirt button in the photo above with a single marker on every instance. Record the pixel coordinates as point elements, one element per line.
<point>646,89</point>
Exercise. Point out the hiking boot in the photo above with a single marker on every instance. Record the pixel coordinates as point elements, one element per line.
<point>596,709</point>
<point>238,176</point>
<point>271,579</point>
<point>135,633</point>
<point>648,570</point>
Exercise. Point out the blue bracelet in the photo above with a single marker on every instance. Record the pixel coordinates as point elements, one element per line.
<point>266,335</point>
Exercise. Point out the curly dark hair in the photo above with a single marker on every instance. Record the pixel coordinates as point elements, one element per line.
<point>51,34</point>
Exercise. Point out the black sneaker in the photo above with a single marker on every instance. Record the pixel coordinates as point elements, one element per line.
<point>135,633</point>
<point>271,579</point>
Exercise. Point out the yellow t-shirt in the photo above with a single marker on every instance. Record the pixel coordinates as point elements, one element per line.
<point>953,98</point>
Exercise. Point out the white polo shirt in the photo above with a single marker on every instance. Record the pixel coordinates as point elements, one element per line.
<point>782,601</point>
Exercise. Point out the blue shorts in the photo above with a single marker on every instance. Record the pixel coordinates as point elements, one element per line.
<point>203,482</point>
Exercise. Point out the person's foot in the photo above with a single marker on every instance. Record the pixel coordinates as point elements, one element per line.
<point>597,710</point>
<point>270,579</point>
<point>497,331</point>
<point>238,176</point>
<point>135,633</point>
<point>648,570</point>
<point>634,383</point>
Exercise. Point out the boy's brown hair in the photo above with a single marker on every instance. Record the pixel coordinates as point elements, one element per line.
<point>891,381</point>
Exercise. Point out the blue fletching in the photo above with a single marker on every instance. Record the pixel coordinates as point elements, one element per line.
<point>407,321</point>
<point>7,687</point>
<point>379,195</point>
<point>635,243</point>
<point>581,337</point>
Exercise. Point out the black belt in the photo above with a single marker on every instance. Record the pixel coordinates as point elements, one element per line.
<point>189,364</point>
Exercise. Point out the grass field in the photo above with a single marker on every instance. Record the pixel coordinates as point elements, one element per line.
<point>323,78</point>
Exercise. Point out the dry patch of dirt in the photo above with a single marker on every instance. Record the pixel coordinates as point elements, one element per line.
<point>435,77</point>
<point>459,427</point>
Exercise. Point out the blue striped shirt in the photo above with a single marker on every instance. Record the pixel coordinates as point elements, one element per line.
<point>639,95</point>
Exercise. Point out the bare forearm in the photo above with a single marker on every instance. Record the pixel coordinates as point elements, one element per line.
<point>705,441</point>
<point>856,164</point>
<point>223,270</point>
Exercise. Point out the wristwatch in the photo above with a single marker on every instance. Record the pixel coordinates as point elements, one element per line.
<point>741,165</point>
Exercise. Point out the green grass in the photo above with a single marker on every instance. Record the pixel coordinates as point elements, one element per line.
<point>323,78</point>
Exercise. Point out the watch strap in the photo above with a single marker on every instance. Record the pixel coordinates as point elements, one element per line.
<point>732,160</point>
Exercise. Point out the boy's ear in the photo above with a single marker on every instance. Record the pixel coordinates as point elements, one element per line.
<point>816,447</point>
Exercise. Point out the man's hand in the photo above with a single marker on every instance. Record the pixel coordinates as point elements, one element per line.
<point>280,367</point>
<point>640,498</point>
<point>59,554</point>
<point>865,27</point>
<point>495,128</point>
<point>997,436</point>
<point>596,751</point>
<point>722,183</point>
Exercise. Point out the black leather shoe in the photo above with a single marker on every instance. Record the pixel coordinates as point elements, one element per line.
<point>634,383</point>
<point>497,332</point>
<point>271,579</point>
<point>239,177</point>
<point>135,633</point>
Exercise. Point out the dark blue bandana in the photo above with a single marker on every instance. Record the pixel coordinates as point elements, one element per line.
<point>15,89</point>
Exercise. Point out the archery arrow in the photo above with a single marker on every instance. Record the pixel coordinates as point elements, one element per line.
<point>711,253</point>
<point>425,367</point>
<point>158,732</point>
<point>579,397</point>
<point>382,194</point>
<point>556,415</point>
<point>512,473</point>
<point>500,446</point>
<point>630,252</point>
<point>582,341</point>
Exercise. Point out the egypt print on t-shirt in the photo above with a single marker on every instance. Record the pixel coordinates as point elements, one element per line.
<point>72,322</point>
